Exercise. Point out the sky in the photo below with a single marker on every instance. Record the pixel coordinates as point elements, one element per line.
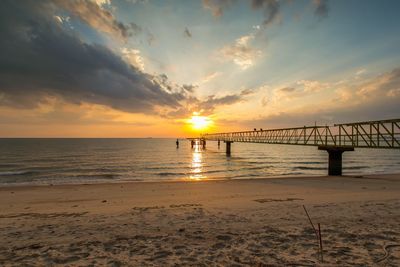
<point>148,68</point>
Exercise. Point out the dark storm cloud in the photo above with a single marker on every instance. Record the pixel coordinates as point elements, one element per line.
<point>39,58</point>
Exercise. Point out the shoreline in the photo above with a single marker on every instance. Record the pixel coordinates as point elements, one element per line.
<point>201,180</point>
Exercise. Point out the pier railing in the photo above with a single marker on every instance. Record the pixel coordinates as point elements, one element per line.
<point>369,134</point>
<point>334,139</point>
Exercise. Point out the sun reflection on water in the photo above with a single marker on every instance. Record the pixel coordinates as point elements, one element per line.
<point>196,172</point>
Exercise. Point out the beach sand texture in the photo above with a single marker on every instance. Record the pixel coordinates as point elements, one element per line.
<point>213,223</point>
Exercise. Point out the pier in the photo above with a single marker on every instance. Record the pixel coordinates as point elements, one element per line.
<point>336,139</point>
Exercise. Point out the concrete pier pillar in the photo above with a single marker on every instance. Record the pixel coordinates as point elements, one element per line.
<point>335,158</point>
<point>228,147</point>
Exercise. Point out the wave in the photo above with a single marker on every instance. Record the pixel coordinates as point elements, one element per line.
<point>247,175</point>
<point>308,168</point>
<point>165,168</point>
<point>171,173</point>
<point>8,173</point>
<point>10,165</point>
<point>307,162</point>
<point>95,176</point>
<point>355,167</point>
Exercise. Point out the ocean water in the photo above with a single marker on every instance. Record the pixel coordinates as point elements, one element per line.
<point>66,161</point>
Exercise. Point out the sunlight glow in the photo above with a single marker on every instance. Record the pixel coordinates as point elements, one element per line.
<point>199,122</point>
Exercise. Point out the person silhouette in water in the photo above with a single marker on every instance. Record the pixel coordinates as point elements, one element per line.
<point>177,143</point>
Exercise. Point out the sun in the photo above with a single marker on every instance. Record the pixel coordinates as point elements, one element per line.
<point>199,122</point>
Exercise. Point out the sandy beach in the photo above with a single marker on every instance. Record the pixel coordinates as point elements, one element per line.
<point>219,223</point>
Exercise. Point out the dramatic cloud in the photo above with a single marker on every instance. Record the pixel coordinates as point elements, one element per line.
<point>41,59</point>
<point>93,13</point>
<point>241,53</point>
<point>207,106</point>
<point>321,7</point>
<point>187,33</point>
<point>212,101</point>
<point>38,59</point>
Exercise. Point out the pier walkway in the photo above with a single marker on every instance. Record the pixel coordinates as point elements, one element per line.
<point>382,134</point>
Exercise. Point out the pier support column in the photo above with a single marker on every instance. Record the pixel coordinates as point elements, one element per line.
<point>228,147</point>
<point>335,158</point>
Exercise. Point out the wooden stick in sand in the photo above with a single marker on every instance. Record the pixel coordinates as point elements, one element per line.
<point>312,225</point>
<point>318,236</point>
<point>320,242</point>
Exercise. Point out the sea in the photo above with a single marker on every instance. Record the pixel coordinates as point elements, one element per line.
<point>84,161</point>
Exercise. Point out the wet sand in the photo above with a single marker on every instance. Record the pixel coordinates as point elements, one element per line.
<point>217,223</point>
